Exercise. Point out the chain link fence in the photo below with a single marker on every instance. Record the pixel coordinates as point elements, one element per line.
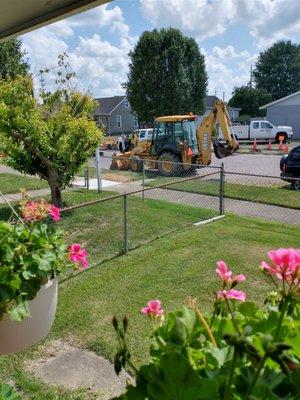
<point>202,180</point>
<point>139,211</point>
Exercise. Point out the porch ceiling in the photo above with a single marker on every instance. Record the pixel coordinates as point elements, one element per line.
<point>20,16</point>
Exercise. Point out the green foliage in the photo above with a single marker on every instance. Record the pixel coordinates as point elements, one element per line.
<point>249,100</point>
<point>7,392</point>
<point>12,63</point>
<point>30,255</point>
<point>166,75</point>
<point>52,139</point>
<point>278,69</point>
<point>248,352</point>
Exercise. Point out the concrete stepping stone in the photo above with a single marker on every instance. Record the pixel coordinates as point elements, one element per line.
<point>75,368</point>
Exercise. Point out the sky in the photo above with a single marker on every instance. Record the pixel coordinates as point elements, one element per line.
<point>230,33</point>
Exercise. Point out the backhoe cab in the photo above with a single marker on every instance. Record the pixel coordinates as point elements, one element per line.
<point>177,145</point>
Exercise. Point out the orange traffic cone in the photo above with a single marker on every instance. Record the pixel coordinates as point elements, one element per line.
<point>254,146</point>
<point>269,145</point>
<point>280,147</point>
<point>286,148</point>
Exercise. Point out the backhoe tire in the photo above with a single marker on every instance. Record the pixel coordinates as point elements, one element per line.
<point>136,164</point>
<point>169,164</point>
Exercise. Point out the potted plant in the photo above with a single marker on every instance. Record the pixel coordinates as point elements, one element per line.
<point>241,351</point>
<point>33,253</point>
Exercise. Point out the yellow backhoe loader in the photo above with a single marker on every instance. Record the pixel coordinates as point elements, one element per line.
<point>177,145</point>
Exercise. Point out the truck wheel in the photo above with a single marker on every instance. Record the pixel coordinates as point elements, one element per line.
<point>295,185</point>
<point>281,134</point>
<point>168,164</point>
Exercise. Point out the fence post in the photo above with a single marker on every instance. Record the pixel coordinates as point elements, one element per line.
<point>86,178</point>
<point>222,184</point>
<point>143,161</point>
<point>98,170</point>
<point>125,224</point>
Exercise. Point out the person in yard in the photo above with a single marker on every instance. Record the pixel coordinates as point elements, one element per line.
<point>121,143</point>
<point>133,139</point>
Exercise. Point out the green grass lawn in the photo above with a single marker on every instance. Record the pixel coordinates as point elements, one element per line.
<point>170,268</point>
<point>100,227</point>
<point>280,195</point>
<point>11,183</point>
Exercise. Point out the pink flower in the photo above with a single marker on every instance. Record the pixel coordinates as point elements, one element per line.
<point>35,211</point>
<point>54,213</point>
<point>226,276</point>
<point>285,264</point>
<point>78,255</point>
<point>239,278</point>
<point>232,294</point>
<point>223,272</point>
<point>153,309</point>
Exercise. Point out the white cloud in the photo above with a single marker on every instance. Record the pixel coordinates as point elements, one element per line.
<point>98,17</point>
<point>99,65</point>
<point>268,20</point>
<point>200,18</point>
<point>226,69</point>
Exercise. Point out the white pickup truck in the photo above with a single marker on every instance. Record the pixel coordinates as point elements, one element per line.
<point>261,130</point>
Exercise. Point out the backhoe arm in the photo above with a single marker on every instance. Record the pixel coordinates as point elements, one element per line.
<point>205,130</point>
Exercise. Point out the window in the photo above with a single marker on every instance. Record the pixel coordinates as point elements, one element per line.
<point>265,125</point>
<point>119,121</point>
<point>126,103</point>
<point>136,122</point>
<point>142,134</point>
<point>255,125</point>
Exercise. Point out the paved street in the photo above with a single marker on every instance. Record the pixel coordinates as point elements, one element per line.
<point>243,163</point>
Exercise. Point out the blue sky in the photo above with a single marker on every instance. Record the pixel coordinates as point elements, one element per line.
<point>230,33</point>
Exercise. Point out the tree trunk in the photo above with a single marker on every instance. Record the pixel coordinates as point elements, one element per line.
<point>55,188</point>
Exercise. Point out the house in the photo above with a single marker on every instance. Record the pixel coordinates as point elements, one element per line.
<point>115,115</point>
<point>285,111</point>
<point>209,102</point>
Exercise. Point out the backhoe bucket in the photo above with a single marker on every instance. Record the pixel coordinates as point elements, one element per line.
<point>119,161</point>
<point>221,150</point>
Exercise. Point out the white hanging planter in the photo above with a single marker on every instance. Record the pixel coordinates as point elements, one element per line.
<point>17,336</point>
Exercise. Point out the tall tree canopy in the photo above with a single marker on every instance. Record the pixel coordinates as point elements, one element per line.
<point>12,62</point>
<point>278,69</point>
<point>249,100</point>
<point>166,75</point>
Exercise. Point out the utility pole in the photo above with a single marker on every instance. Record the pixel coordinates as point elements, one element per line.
<point>42,80</point>
<point>250,82</point>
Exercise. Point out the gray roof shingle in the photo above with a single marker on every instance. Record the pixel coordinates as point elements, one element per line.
<point>107,104</point>
<point>210,101</point>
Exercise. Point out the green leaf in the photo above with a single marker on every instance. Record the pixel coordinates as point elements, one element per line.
<point>180,328</point>
<point>19,312</point>
<point>175,379</point>
<point>7,392</point>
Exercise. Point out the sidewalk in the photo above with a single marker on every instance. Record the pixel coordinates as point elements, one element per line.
<point>239,207</point>
<point>18,196</point>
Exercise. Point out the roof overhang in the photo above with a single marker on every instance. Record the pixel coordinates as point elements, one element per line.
<point>20,16</point>
<point>279,100</point>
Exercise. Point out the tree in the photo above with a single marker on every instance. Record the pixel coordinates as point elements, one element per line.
<point>12,61</point>
<point>249,100</point>
<point>278,69</point>
<point>166,75</point>
<point>51,139</point>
